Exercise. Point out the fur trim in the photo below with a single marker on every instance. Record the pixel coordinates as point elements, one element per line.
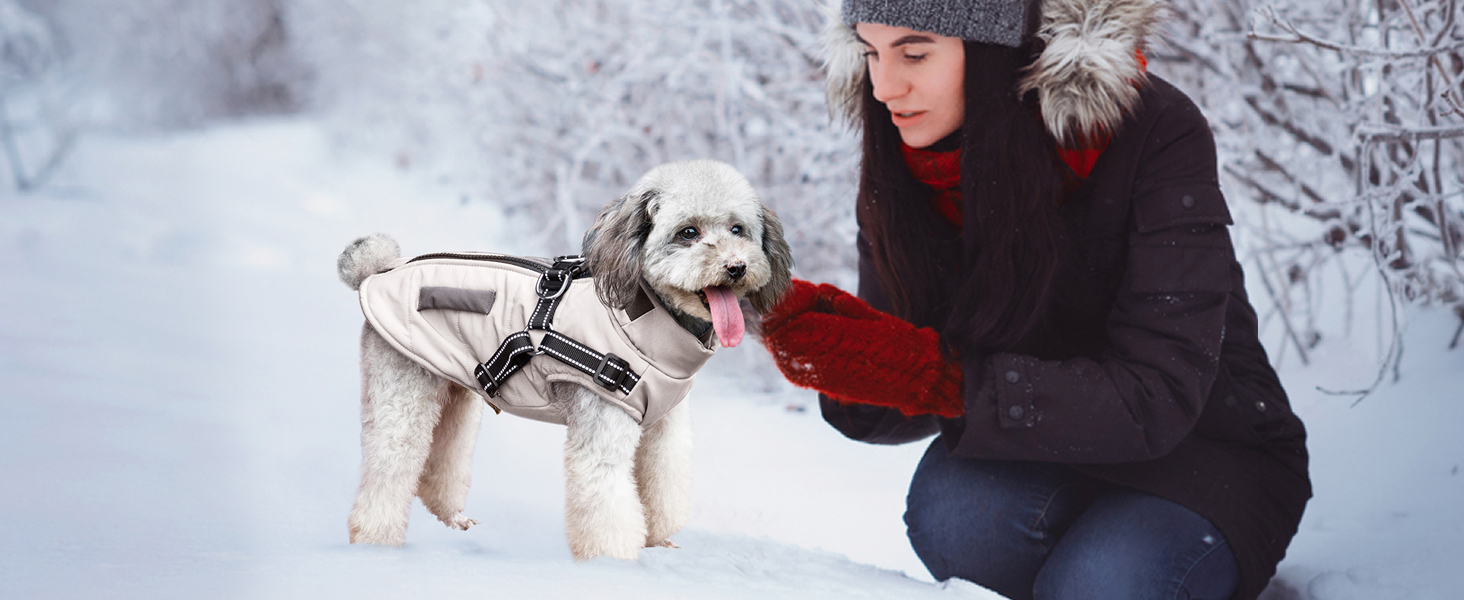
<point>844,63</point>
<point>1085,77</point>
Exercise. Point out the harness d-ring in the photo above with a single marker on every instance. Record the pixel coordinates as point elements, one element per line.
<point>564,286</point>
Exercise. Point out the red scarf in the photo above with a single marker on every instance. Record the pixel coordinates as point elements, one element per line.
<point>942,172</point>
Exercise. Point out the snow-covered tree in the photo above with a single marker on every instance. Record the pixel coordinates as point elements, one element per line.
<point>151,63</point>
<point>70,65</point>
<point>1344,120</point>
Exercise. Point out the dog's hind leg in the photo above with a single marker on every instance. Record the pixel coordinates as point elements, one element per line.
<point>602,512</point>
<point>400,404</point>
<point>444,483</point>
<point>663,474</point>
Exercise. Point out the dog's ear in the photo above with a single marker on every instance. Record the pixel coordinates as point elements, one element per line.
<point>613,246</point>
<point>780,261</point>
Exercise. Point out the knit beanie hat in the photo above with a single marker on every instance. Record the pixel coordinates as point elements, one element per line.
<point>988,21</point>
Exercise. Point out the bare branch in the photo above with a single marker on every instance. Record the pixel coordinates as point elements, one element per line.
<point>1276,166</point>
<point>1285,316</point>
<point>1271,196</point>
<point>1300,37</point>
<point>1458,312</point>
<point>1295,130</point>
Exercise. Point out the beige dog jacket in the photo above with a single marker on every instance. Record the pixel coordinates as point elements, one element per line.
<point>451,312</point>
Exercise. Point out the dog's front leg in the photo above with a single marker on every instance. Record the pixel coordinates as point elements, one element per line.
<point>602,511</point>
<point>663,475</point>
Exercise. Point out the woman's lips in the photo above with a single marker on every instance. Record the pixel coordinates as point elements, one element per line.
<point>906,118</point>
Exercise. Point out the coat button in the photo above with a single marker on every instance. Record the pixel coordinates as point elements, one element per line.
<point>1261,406</point>
<point>1230,401</point>
<point>1013,377</point>
<point>1187,201</point>
<point>1016,412</point>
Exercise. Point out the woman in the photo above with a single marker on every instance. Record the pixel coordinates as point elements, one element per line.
<point>1047,282</point>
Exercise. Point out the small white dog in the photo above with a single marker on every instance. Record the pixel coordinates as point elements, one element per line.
<point>696,234</point>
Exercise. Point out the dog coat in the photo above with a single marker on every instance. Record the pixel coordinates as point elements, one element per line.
<point>466,317</point>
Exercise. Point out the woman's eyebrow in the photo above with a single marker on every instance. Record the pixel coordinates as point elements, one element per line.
<point>913,38</point>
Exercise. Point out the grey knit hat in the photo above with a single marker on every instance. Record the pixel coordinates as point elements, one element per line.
<point>986,21</point>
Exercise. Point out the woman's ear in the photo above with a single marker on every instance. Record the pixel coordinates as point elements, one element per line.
<point>614,244</point>
<point>780,263</point>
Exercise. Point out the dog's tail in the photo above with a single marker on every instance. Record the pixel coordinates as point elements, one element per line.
<point>367,256</point>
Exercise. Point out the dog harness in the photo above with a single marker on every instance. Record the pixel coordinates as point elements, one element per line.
<point>507,326</point>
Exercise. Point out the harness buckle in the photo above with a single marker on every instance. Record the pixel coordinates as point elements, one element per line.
<point>606,381</point>
<point>571,264</point>
<point>485,380</point>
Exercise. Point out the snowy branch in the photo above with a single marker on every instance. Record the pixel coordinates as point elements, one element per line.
<point>1300,37</point>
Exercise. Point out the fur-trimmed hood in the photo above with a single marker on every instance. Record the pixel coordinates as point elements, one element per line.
<point>1084,78</point>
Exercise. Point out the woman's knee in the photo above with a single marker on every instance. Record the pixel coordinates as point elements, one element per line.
<point>1134,545</point>
<point>991,522</point>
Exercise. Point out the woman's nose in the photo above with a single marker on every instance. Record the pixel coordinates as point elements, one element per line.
<point>888,83</point>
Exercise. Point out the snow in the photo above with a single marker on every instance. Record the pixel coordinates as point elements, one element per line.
<point>179,367</point>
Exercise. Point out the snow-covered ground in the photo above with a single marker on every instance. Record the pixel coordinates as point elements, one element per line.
<point>180,416</point>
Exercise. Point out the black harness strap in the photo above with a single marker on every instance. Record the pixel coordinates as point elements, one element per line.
<point>553,283</point>
<point>608,370</point>
<point>512,355</point>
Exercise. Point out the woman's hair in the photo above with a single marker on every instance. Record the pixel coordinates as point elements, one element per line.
<point>987,290</point>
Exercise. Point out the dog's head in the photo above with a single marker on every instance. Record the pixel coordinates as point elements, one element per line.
<point>699,236</point>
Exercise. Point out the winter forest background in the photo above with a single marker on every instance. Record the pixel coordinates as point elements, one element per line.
<point>178,175</point>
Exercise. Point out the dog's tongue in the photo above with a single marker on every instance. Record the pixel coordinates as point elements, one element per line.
<point>726,315</point>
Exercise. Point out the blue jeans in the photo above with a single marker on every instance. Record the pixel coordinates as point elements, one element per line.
<point>1043,531</point>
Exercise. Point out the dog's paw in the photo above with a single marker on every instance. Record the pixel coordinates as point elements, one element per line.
<point>621,547</point>
<point>377,536</point>
<point>662,544</point>
<point>460,522</point>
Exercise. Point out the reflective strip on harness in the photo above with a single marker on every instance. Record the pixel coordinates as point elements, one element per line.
<point>512,355</point>
<point>553,283</point>
<point>610,371</point>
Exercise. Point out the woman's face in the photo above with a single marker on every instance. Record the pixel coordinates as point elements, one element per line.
<point>919,77</point>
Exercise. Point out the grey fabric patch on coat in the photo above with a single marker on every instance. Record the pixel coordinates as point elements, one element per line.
<point>450,298</point>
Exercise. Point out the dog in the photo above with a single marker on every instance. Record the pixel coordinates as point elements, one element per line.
<point>697,236</point>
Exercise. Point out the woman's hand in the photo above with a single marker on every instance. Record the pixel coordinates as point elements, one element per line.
<point>826,339</point>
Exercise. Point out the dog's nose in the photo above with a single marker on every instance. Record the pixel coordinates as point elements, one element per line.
<point>736,270</point>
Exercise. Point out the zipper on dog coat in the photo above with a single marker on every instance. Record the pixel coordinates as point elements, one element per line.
<point>506,327</point>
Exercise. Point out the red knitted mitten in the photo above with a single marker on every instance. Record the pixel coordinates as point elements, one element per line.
<point>826,339</point>
<point>801,297</point>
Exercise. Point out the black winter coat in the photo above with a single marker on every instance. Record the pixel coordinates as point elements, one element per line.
<point>1147,371</point>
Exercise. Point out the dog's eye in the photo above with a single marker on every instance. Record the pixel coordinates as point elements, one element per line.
<point>688,233</point>
<point>736,230</point>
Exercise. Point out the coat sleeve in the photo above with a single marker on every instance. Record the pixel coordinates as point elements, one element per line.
<point>866,423</point>
<point>1144,392</point>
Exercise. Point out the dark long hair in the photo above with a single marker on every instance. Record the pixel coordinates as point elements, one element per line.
<point>987,290</point>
